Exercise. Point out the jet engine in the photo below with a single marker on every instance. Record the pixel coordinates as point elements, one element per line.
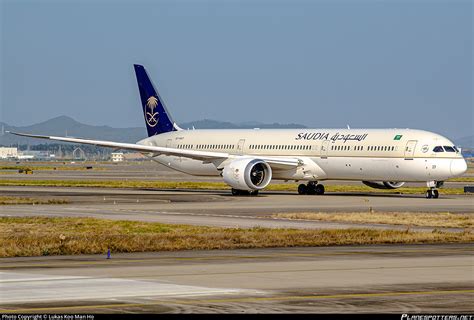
<point>383,184</point>
<point>247,174</point>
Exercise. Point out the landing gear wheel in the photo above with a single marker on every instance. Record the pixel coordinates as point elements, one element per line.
<point>432,194</point>
<point>302,189</point>
<point>237,192</point>
<point>319,189</point>
<point>311,190</point>
<point>311,187</point>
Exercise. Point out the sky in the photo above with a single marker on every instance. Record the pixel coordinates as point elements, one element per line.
<point>323,64</point>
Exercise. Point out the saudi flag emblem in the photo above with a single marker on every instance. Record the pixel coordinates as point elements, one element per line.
<point>397,137</point>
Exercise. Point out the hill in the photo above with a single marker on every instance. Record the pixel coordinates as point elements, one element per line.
<point>63,125</point>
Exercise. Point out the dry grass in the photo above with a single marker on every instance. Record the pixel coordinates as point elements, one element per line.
<point>22,200</point>
<point>42,168</point>
<point>442,219</point>
<point>205,186</point>
<point>462,179</point>
<point>36,236</point>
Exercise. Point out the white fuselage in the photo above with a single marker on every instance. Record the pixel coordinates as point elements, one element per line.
<point>328,154</point>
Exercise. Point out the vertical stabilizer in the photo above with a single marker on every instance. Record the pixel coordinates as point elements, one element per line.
<point>157,118</point>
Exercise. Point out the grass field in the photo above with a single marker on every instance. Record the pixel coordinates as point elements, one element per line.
<point>41,236</point>
<point>462,179</point>
<point>206,186</point>
<point>39,168</point>
<point>23,200</point>
<point>442,219</point>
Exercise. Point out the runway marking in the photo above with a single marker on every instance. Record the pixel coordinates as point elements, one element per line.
<point>8,265</point>
<point>32,288</point>
<point>245,299</point>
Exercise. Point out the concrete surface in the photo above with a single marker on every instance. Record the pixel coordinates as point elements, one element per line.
<point>411,278</point>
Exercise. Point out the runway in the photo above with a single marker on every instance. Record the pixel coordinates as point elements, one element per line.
<point>416,278</point>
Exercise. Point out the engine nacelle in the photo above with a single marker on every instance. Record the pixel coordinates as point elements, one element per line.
<point>383,184</point>
<point>247,174</point>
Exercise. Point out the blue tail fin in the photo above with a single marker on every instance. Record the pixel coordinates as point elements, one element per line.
<point>157,118</point>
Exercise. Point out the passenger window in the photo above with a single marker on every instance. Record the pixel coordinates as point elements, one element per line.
<point>449,149</point>
<point>438,149</point>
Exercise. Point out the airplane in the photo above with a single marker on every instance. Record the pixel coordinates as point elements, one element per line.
<point>249,159</point>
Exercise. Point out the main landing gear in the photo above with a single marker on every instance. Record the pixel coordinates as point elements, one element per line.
<point>237,192</point>
<point>311,188</point>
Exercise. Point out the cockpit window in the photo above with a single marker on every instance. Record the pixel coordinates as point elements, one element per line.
<point>449,149</point>
<point>455,148</point>
<point>438,149</point>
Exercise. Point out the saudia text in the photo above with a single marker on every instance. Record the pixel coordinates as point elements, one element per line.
<point>325,136</point>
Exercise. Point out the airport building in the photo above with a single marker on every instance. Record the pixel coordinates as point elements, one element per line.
<point>35,155</point>
<point>117,156</point>
<point>6,153</point>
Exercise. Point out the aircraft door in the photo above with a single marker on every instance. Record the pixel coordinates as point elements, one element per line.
<point>240,146</point>
<point>168,143</point>
<point>324,149</point>
<point>410,149</point>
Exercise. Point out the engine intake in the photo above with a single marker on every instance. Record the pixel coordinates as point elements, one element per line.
<point>383,184</point>
<point>247,174</point>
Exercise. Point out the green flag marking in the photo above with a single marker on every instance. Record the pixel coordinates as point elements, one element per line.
<point>397,137</point>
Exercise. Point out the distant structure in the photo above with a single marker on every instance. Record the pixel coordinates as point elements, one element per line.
<point>133,156</point>
<point>35,155</point>
<point>60,152</point>
<point>78,154</point>
<point>117,156</point>
<point>8,153</point>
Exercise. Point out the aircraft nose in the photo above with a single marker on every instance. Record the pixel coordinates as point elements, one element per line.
<point>458,167</point>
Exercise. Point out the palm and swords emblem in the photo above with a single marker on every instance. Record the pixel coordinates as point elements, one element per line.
<point>151,116</point>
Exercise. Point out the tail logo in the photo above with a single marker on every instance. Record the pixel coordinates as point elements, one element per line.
<point>151,117</point>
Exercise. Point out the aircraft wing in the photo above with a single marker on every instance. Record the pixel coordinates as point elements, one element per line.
<point>277,162</point>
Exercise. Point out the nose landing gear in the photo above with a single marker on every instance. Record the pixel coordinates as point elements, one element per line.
<point>432,192</point>
<point>311,188</point>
